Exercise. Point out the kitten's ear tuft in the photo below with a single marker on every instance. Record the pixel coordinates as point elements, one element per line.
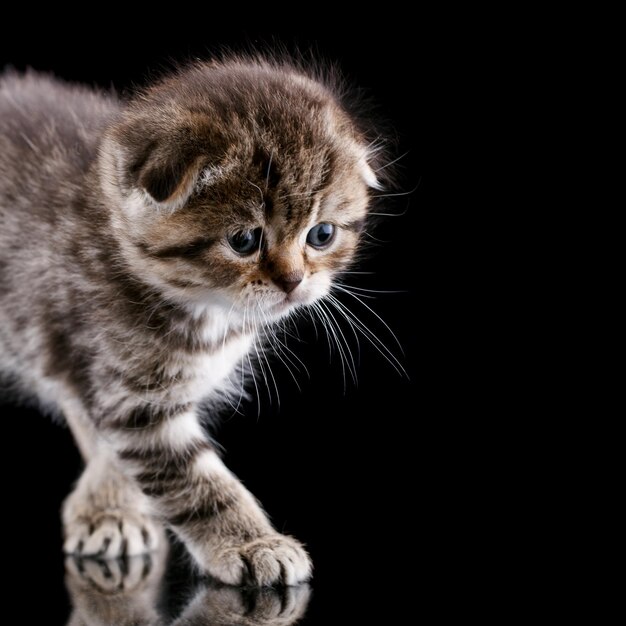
<point>368,175</point>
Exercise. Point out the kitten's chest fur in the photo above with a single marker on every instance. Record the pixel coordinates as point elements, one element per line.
<point>213,367</point>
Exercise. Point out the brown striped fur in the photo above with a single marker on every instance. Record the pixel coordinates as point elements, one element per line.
<point>123,305</point>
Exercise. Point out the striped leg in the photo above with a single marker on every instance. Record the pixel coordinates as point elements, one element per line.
<point>221,523</point>
<point>106,515</point>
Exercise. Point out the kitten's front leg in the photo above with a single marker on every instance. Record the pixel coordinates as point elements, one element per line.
<point>221,523</point>
<point>228,533</point>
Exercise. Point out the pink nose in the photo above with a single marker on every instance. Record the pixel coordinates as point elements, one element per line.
<point>288,282</point>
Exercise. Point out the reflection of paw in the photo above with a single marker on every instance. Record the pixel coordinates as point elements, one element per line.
<point>111,534</point>
<point>120,592</point>
<point>110,576</point>
<point>265,606</point>
<point>271,560</point>
<point>229,606</point>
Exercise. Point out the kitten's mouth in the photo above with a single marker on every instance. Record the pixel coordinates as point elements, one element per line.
<point>283,306</point>
<point>287,303</point>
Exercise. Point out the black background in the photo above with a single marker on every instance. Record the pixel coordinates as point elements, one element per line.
<point>351,472</point>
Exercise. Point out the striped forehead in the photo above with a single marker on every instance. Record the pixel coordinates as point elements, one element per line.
<point>288,216</point>
<point>289,190</point>
<point>325,188</point>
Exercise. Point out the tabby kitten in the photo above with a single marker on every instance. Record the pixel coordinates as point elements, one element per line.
<point>144,247</point>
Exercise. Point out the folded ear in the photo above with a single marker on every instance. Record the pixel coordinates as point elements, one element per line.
<point>168,175</point>
<point>144,166</point>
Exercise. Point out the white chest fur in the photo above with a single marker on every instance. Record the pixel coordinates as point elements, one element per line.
<point>217,369</point>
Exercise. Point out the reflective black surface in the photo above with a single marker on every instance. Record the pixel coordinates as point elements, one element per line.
<point>142,591</point>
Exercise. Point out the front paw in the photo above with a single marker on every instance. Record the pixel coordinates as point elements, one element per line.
<point>267,561</point>
<point>111,534</point>
<point>109,576</point>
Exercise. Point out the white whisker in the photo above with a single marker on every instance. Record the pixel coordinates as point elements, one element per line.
<point>269,367</point>
<point>373,339</point>
<point>380,169</point>
<point>269,168</point>
<point>398,194</point>
<point>342,359</point>
<point>339,308</point>
<point>378,317</point>
<point>256,387</point>
<point>348,353</point>
<point>352,287</point>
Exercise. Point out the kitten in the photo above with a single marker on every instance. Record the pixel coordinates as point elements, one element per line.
<point>144,246</point>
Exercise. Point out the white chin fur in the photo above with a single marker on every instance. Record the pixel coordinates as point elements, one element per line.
<point>287,306</point>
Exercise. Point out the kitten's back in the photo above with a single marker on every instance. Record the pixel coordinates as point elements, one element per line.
<point>42,117</point>
<point>49,134</point>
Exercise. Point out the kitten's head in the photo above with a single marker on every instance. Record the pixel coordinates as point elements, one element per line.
<point>243,184</point>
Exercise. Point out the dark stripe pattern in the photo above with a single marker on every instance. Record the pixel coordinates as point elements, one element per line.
<point>184,499</point>
<point>190,250</point>
<point>356,226</point>
<point>148,417</point>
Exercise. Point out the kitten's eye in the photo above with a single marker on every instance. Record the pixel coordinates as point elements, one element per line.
<point>245,241</point>
<point>321,235</point>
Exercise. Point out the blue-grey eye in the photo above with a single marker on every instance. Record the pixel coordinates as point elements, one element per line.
<point>245,241</point>
<point>321,235</point>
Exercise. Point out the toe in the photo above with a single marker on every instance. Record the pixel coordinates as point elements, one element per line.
<point>289,576</point>
<point>231,568</point>
<point>114,549</point>
<point>150,537</point>
<point>302,566</point>
<point>106,534</point>
<point>135,544</point>
<point>265,567</point>
<point>76,536</point>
